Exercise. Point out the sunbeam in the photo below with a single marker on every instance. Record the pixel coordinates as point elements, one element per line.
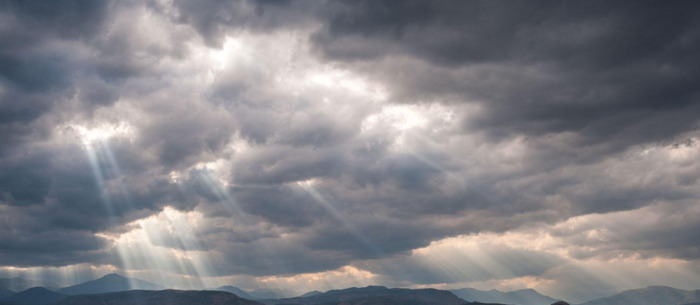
<point>308,187</point>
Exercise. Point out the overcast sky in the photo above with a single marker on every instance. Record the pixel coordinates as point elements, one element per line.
<point>305,145</point>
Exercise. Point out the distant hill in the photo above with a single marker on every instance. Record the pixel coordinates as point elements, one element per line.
<point>263,294</point>
<point>653,295</point>
<point>520,297</point>
<point>235,290</point>
<point>375,295</point>
<point>311,293</point>
<point>34,296</point>
<point>109,283</point>
<point>162,297</point>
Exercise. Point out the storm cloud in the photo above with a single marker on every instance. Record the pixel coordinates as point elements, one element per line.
<point>347,139</point>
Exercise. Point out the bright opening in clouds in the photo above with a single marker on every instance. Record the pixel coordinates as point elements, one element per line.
<point>314,145</point>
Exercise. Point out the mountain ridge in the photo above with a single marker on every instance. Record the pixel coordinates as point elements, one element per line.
<point>34,296</point>
<point>235,290</point>
<point>160,297</point>
<point>371,295</point>
<point>109,283</point>
<point>521,297</point>
<point>651,295</point>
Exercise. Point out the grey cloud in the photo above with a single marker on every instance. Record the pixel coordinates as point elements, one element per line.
<point>34,78</point>
<point>664,229</point>
<point>554,112</point>
<point>194,134</point>
<point>56,198</point>
<point>454,267</point>
<point>67,19</point>
<point>289,165</point>
<point>213,19</point>
<point>456,33</point>
<point>559,67</point>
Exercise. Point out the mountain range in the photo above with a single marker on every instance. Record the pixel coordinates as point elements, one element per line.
<point>162,297</point>
<point>257,294</point>
<point>374,295</point>
<point>520,297</point>
<point>311,293</point>
<point>34,296</point>
<point>653,295</point>
<point>109,283</point>
<point>114,289</point>
<point>237,291</point>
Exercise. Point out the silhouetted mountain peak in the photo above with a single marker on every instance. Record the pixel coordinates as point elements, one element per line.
<point>375,295</point>
<point>110,283</point>
<point>34,296</point>
<point>311,293</point>
<point>114,276</point>
<point>520,297</point>
<point>235,290</point>
<point>364,289</point>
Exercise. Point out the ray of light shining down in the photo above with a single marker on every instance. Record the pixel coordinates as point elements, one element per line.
<point>308,187</point>
<point>99,152</point>
<point>137,251</point>
<point>147,252</point>
<point>204,174</point>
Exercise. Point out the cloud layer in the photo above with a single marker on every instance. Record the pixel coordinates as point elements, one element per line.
<point>364,141</point>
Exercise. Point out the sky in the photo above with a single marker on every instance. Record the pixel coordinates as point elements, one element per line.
<point>312,145</point>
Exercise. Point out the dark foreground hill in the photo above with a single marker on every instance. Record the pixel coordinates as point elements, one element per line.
<point>375,295</point>
<point>109,283</point>
<point>653,295</point>
<point>34,296</point>
<point>5,293</point>
<point>162,297</point>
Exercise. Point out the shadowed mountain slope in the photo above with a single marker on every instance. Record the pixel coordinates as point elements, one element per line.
<point>5,293</point>
<point>34,296</point>
<point>310,294</point>
<point>162,297</point>
<point>235,290</point>
<point>109,283</point>
<point>372,295</point>
<point>653,295</point>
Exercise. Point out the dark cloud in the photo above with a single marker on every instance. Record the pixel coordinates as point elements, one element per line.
<point>213,19</point>
<point>618,73</point>
<point>33,75</point>
<point>448,33</point>
<point>53,196</point>
<point>345,133</point>
<point>67,19</point>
